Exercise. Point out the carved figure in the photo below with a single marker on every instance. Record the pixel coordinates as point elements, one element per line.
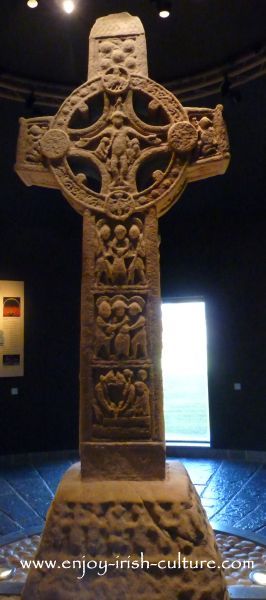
<point>116,79</point>
<point>133,150</point>
<point>121,321</point>
<point>33,152</point>
<point>136,270</point>
<point>138,326</point>
<point>104,330</point>
<point>128,391</point>
<point>102,265</point>
<point>120,246</point>
<point>207,143</point>
<point>124,149</point>
<point>195,123</point>
<point>102,149</point>
<point>142,402</point>
<point>119,145</point>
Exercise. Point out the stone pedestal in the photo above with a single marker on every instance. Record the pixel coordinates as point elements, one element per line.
<point>162,522</point>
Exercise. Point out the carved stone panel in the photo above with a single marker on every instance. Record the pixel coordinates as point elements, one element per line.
<point>120,328</point>
<point>29,160</point>
<point>121,387</point>
<point>121,405</point>
<point>120,42</point>
<point>120,253</point>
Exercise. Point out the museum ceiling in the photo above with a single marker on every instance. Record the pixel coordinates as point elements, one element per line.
<point>48,45</point>
<point>44,51</point>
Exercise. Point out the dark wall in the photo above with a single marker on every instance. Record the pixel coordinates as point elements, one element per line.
<point>40,243</point>
<point>213,245</point>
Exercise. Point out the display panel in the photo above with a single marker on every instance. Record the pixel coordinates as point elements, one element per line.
<point>11,328</point>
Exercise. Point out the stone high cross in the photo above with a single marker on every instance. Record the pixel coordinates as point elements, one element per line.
<point>121,149</point>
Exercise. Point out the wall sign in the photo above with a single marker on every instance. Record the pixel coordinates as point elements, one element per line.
<point>11,328</point>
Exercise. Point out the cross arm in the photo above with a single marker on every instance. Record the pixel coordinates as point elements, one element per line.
<point>211,156</point>
<point>30,163</point>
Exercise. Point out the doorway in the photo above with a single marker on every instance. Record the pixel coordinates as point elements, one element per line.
<point>185,372</point>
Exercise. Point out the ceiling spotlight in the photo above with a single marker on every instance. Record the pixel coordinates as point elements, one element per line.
<point>68,6</point>
<point>164,8</point>
<point>32,3</point>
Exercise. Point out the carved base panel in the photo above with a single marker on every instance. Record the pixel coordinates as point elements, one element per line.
<point>118,460</point>
<point>155,521</point>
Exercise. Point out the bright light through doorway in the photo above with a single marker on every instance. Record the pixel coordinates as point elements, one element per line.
<point>185,378</point>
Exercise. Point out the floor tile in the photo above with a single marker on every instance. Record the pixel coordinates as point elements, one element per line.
<point>52,472</point>
<point>232,492</point>
<point>249,497</point>
<point>19,511</point>
<point>31,487</point>
<point>227,481</point>
<point>7,525</point>
<point>201,470</point>
<point>4,487</point>
<point>255,519</point>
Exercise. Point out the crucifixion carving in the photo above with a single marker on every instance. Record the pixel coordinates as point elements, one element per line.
<point>121,149</point>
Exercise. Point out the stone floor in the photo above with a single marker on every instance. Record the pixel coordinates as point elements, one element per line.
<point>232,492</point>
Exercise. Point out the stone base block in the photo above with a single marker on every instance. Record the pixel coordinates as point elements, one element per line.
<point>161,522</point>
<point>133,460</point>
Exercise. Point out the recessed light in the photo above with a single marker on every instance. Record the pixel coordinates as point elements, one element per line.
<point>68,6</point>
<point>258,577</point>
<point>164,14</point>
<point>32,3</point>
<point>164,8</point>
<point>6,573</point>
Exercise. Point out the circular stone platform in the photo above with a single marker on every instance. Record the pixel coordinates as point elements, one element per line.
<point>232,547</point>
